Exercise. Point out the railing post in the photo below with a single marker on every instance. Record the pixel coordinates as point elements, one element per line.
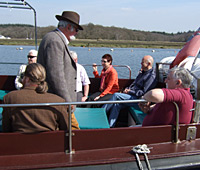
<point>157,72</point>
<point>35,19</point>
<point>197,104</point>
<point>176,140</point>
<point>70,129</point>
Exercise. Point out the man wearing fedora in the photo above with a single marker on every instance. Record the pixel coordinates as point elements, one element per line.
<point>55,56</point>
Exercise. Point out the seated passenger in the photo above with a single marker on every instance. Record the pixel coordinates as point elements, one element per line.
<point>145,81</point>
<point>109,81</point>
<point>164,111</point>
<point>32,58</point>
<point>34,119</point>
<point>82,80</point>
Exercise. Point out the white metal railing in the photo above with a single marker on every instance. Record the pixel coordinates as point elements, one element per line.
<point>22,5</point>
<point>128,67</point>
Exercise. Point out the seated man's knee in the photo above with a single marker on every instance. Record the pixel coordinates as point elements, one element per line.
<point>116,96</point>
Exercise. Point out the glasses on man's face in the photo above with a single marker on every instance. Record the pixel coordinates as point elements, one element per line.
<point>29,56</point>
<point>76,29</point>
<point>104,61</point>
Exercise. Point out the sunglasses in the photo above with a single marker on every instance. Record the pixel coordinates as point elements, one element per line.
<point>103,61</point>
<point>29,56</point>
<point>76,29</point>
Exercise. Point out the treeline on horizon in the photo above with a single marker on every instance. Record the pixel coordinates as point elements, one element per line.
<point>97,32</point>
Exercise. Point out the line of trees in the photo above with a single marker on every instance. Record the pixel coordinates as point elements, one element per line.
<point>96,32</point>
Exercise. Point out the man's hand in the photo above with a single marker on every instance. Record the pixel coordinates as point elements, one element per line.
<point>94,66</point>
<point>84,98</point>
<point>72,108</point>
<point>145,107</point>
<point>96,98</point>
<point>126,91</point>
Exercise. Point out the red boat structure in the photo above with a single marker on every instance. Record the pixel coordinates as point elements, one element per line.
<point>167,147</point>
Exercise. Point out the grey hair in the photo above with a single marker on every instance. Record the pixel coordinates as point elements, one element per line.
<point>182,74</point>
<point>63,23</point>
<point>73,54</point>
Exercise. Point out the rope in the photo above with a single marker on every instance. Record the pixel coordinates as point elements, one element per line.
<point>142,149</point>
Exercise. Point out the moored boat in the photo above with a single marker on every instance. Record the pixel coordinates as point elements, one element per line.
<point>107,148</point>
<point>168,147</point>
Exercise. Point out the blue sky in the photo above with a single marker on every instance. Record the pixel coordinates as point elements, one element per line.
<point>148,15</point>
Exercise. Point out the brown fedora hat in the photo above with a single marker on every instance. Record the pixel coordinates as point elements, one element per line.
<point>70,16</point>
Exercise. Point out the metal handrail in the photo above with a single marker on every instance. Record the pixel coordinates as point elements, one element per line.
<point>72,103</point>
<point>113,66</point>
<point>70,111</point>
<point>11,63</point>
<point>82,65</point>
<point>22,4</point>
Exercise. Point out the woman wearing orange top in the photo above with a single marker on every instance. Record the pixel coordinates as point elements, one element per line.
<point>109,81</point>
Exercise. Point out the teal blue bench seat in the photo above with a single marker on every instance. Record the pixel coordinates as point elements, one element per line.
<point>91,118</point>
<point>137,114</point>
<point>1,110</point>
<point>2,94</point>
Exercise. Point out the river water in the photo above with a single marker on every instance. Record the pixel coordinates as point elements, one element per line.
<point>121,56</point>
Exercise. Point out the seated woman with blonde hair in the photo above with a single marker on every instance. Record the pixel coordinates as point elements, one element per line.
<point>35,119</point>
<point>109,81</point>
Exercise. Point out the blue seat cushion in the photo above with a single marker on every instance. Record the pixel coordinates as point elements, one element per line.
<point>137,114</point>
<point>2,94</point>
<point>91,118</point>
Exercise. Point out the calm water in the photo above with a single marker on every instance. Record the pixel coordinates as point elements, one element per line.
<point>121,56</point>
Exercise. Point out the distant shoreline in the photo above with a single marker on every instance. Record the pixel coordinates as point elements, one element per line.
<point>102,43</point>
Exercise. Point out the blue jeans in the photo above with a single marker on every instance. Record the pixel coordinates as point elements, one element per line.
<point>116,107</point>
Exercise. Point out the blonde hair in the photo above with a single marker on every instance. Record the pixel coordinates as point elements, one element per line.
<point>37,74</point>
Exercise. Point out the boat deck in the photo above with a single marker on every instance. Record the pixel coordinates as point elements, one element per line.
<point>109,148</point>
<point>99,149</point>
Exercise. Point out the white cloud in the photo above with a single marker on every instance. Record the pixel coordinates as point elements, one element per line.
<point>126,9</point>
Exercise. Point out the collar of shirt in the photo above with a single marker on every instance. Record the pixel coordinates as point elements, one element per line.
<point>147,72</point>
<point>66,40</point>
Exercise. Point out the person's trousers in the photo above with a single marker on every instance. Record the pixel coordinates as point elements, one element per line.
<point>116,107</point>
<point>94,95</point>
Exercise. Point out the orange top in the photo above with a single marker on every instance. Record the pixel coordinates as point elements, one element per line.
<point>111,82</point>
